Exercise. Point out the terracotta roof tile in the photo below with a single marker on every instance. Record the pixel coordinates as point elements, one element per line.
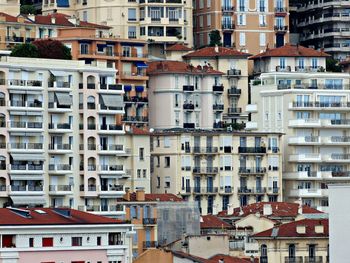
<point>229,259</point>
<point>290,229</point>
<point>138,131</point>
<point>289,50</point>
<point>211,221</point>
<point>210,52</point>
<point>8,18</point>
<point>50,217</point>
<point>279,209</point>
<point>178,47</point>
<point>169,67</point>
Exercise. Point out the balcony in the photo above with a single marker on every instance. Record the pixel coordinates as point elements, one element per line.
<point>234,72</point>
<point>135,99</point>
<point>60,168</point>
<point>14,39</point>
<point>185,191</point>
<point>150,244</point>
<point>307,140</point>
<point>234,92</point>
<point>205,170</point>
<point>251,190</point>
<point>320,105</point>
<point>226,190</point>
<point>110,87</point>
<point>188,88</point>
<point>59,84</point>
<point>234,111</point>
<point>252,170</point>
<point>273,190</point>
<point>111,128</point>
<point>226,9</point>
<point>60,127</point>
<point>252,150</point>
<point>26,126</point>
<point>102,209</point>
<point>149,221</point>
<point>29,189</point>
<point>134,119</point>
<point>205,190</point>
<point>111,169</point>
<point>60,189</point>
<point>27,147</point>
<point>250,125</point>
<point>188,106</point>
<point>188,125</point>
<point>205,150</point>
<point>293,259</point>
<point>108,148</point>
<point>26,168</point>
<point>117,190</point>
<point>103,109</point>
<point>218,88</point>
<point>280,29</point>
<point>227,26</point>
<point>218,107</point>
<point>307,157</point>
<point>311,192</point>
<point>302,175</point>
<point>336,140</point>
<point>336,158</point>
<point>56,107</point>
<point>315,259</point>
<point>305,123</point>
<point>60,148</point>
<point>35,105</point>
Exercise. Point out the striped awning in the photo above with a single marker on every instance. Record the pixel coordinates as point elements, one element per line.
<point>27,177</point>
<point>64,98</point>
<point>27,157</point>
<point>59,73</point>
<point>28,200</point>
<point>112,100</point>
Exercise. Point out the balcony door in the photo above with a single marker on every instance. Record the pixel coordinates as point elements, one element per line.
<point>291,251</point>
<point>210,184</point>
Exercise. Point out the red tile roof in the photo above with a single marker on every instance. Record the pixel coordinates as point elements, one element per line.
<point>279,209</point>
<point>137,131</point>
<point>211,221</point>
<point>8,18</point>
<point>170,67</point>
<point>290,229</point>
<point>51,217</point>
<point>178,47</point>
<point>229,259</point>
<point>289,50</point>
<point>211,52</point>
<point>196,259</point>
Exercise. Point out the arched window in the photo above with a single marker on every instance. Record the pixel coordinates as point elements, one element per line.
<point>91,123</point>
<point>91,103</point>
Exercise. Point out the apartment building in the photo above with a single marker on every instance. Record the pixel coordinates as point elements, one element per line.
<point>160,22</point>
<point>128,56</point>
<point>12,7</point>
<point>215,168</point>
<point>234,65</point>
<point>62,235</point>
<point>18,29</point>
<point>63,142</point>
<point>323,24</point>
<point>249,26</point>
<point>300,241</point>
<point>311,107</point>
<point>184,96</point>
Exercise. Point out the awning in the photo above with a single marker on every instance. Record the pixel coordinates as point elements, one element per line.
<point>112,100</point>
<point>62,3</point>
<point>134,44</point>
<point>27,157</point>
<point>139,88</point>
<point>64,99</point>
<point>127,87</point>
<point>58,73</point>
<point>27,177</point>
<point>141,64</point>
<point>28,200</point>
<point>101,45</point>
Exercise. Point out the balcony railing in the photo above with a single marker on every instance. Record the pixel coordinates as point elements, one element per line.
<point>218,107</point>
<point>251,149</point>
<point>189,125</point>
<point>283,69</point>
<point>234,72</point>
<point>26,146</point>
<point>26,188</point>
<point>65,146</point>
<point>23,125</point>
<point>234,110</point>
<point>26,167</point>
<point>205,170</point>
<point>226,189</point>
<point>150,244</point>
<point>280,28</point>
<point>315,259</point>
<point>60,126</point>
<point>205,190</point>
<point>252,170</point>
<point>251,190</point>
<point>188,88</point>
<point>218,88</point>
<point>234,92</point>
<point>293,259</point>
<point>149,221</point>
<point>111,127</point>
<point>60,188</point>
<point>228,26</point>
<point>204,150</point>
<point>188,106</point>
<point>60,167</point>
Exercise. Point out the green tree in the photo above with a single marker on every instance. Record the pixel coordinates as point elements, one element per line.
<point>25,50</point>
<point>28,9</point>
<point>54,49</point>
<point>332,65</point>
<point>215,38</point>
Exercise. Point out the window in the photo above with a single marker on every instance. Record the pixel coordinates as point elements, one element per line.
<point>141,154</point>
<point>209,20</point>
<point>301,63</point>
<point>201,3</point>
<point>263,253</point>
<point>85,16</point>
<point>312,252</point>
<point>167,142</point>
<point>262,39</point>
<point>314,63</point>
<point>262,20</point>
<point>291,251</point>
<point>144,173</point>
<point>138,173</point>
<point>282,63</point>
<point>167,161</point>
<point>201,21</point>
<point>99,241</point>
<point>208,3</point>
<point>242,39</point>
<point>77,241</point>
<point>84,48</point>
<point>132,14</point>
<point>31,242</point>
<point>242,20</point>
<point>167,181</point>
<point>47,241</point>
<point>132,32</point>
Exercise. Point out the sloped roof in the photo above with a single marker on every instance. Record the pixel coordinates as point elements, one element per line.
<point>169,67</point>
<point>229,259</point>
<point>178,47</point>
<point>211,221</point>
<point>279,209</point>
<point>211,52</point>
<point>289,50</point>
<point>50,217</point>
<point>8,18</point>
<point>290,229</point>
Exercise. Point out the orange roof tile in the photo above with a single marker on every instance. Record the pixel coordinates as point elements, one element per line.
<point>178,47</point>
<point>8,18</point>
<point>211,52</point>
<point>289,50</point>
<point>211,221</point>
<point>170,67</point>
<point>229,259</point>
<point>290,229</point>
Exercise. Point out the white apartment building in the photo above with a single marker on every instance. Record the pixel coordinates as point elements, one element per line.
<point>311,107</point>
<point>184,96</point>
<point>216,168</point>
<point>160,22</point>
<point>62,138</point>
<point>62,235</point>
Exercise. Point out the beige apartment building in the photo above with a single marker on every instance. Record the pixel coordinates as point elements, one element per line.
<point>217,168</point>
<point>11,7</point>
<point>62,143</point>
<point>248,25</point>
<point>160,22</point>
<point>294,95</point>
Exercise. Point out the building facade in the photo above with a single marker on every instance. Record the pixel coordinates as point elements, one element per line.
<point>249,26</point>
<point>63,142</point>
<point>311,107</point>
<point>12,7</point>
<point>128,57</point>
<point>158,22</point>
<point>323,25</point>
<point>217,168</point>
<point>64,235</point>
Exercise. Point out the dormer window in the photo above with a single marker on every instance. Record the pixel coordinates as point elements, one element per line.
<point>314,63</point>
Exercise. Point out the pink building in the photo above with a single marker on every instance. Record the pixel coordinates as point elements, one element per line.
<point>62,236</point>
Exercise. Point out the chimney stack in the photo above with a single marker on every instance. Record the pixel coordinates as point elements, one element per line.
<point>140,195</point>
<point>216,48</point>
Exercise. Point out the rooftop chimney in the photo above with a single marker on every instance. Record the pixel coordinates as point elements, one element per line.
<point>216,49</point>
<point>267,210</point>
<point>230,209</point>
<point>140,195</point>
<point>301,229</point>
